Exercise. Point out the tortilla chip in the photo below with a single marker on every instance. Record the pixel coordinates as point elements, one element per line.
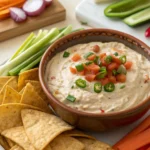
<point>38,89</point>
<point>16,147</point>
<point>4,143</point>
<point>91,144</point>
<point>11,96</point>
<point>62,142</point>
<point>77,133</point>
<point>48,148</point>
<point>3,81</point>
<point>12,82</point>
<point>27,75</point>
<point>10,143</point>
<point>41,128</point>
<point>21,92</point>
<point>10,115</point>
<point>19,136</point>
<point>31,97</point>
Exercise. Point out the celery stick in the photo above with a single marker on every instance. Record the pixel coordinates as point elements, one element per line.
<point>4,69</point>
<point>80,29</point>
<point>26,42</point>
<point>32,65</point>
<point>16,70</point>
<point>66,31</point>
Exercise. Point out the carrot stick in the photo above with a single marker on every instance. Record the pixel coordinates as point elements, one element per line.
<point>141,127</point>
<point>136,142</point>
<point>4,14</point>
<point>148,148</point>
<point>13,4</point>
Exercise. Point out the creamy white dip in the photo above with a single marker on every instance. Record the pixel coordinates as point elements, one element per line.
<point>60,80</point>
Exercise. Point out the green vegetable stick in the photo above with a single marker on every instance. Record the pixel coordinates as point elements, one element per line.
<point>16,70</point>
<point>31,65</point>
<point>26,42</point>
<point>4,69</point>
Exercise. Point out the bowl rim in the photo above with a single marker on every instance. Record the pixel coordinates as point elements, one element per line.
<point>73,110</point>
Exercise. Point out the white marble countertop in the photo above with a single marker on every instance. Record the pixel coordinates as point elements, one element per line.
<point>7,48</point>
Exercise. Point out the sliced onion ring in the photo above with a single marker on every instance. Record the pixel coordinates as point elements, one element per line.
<point>34,7</point>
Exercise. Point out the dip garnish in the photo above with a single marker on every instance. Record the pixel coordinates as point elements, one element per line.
<point>71,98</point>
<point>122,70</point>
<point>109,87</point>
<point>97,87</point>
<point>114,72</point>
<point>97,61</point>
<point>102,73</point>
<point>123,59</point>
<point>128,65</point>
<point>66,54</point>
<point>108,59</point>
<point>79,67</point>
<point>116,54</point>
<point>122,87</point>
<point>88,63</point>
<point>76,57</point>
<point>88,54</point>
<point>81,83</point>
<point>96,48</point>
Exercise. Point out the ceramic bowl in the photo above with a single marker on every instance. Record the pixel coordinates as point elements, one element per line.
<point>84,120</point>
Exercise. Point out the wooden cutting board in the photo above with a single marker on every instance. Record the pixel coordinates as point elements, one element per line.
<point>9,29</point>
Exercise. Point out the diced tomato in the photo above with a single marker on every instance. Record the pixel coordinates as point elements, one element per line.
<point>73,70</point>
<point>112,66</point>
<point>93,68</point>
<point>102,55</point>
<point>109,73</point>
<point>91,57</point>
<point>103,61</point>
<point>104,81</point>
<point>96,48</point>
<point>128,65</point>
<point>76,57</point>
<point>121,78</point>
<point>82,73</point>
<point>112,79</point>
<point>90,77</point>
<point>116,60</point>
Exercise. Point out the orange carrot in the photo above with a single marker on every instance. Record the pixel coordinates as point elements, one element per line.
<point>140,128</point>
<point>76,57</point>
<point>136,142</point>
<point>148,148</point>
<point>13,4</point>
<point>4,14</point>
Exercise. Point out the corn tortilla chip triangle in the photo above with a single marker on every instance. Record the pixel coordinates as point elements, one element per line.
<point>11,96</point>
<point>10,143</point>
<point>3,81</point>
<point>48,148</point>
<point>19,136</point>
<point>12,82</point>
<point>91,144</point>
<point>10,115</point>
<point>62,142</point>
<point>77,133</point>
<point>21,92</point>
<point>31,97</point>
<point>4,143</point>
<point>38,89</point>
<point>16,147</point>
<point>41,128</point>
<point>27,75</point>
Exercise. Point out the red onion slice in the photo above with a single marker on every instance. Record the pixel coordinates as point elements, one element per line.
<point>48,2</point>
<point>34,7</point>
<point>147,32</point>
<point>17,14</point>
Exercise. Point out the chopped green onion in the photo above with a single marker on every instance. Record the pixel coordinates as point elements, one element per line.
<point>79,67</point>
<point>97,87</point>
<point>81,83</point>
<point>83,22</point>
<point>122,87</point>
<point>88,54</point>
<point>114,72</point>
<point>97,61</point>
<point>123,59</point>
<point>72,87</point>
<point>66,54</point>
<point>108,59</point>
<point>109,87</point>
<point>71,98</point>
<point>88,63</point>
<point>102,73</point>
<point>116,54</point>
<point>122,70</point>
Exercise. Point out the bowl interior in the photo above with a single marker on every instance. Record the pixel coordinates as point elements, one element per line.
<point>86,36</point>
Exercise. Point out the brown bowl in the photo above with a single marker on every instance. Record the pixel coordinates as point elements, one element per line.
<point>84,120</point>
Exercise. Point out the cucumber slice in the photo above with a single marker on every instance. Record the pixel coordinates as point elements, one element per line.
<point>138,18</point>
